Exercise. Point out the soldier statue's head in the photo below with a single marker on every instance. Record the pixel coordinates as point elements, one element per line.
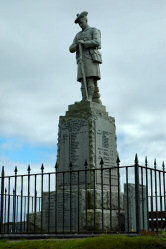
<point>82,19</point>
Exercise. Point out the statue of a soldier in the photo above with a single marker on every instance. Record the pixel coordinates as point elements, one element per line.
<point>86,44</point>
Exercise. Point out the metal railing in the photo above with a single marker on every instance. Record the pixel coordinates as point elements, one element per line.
<point>118,199</point>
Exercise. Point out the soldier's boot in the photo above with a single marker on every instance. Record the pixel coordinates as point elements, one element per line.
<point>91,87</point>
<point>96,95</point>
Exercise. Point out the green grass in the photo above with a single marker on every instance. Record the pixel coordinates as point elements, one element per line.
<point>103,242</point>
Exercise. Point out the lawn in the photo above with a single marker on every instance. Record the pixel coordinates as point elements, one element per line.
<point>103,242</point>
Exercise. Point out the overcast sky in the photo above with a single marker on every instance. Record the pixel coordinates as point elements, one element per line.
<point>38,75</point>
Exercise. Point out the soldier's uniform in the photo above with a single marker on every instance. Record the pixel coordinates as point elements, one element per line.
<point>91,55</point>
<point>91,59</point>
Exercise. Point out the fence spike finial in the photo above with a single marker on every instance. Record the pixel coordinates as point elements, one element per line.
<point>146,161</point>
<point>118,160</point>
<point>155,164</point>
<point>29,169</point>
<point>42,168</point>
<point>15,170</point>
<point>163,165</point>
<point>3,171</point>
<point>136,159</point>
<point>101,162</point>
<point>86,164</point>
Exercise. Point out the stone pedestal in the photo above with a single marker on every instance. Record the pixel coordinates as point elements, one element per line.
<point>86,132</point>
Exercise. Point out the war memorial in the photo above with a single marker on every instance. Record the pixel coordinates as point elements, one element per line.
<point>88,191</point>
<point>86,138</point>
<point>88,134</point>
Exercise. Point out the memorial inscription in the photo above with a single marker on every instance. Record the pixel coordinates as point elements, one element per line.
<point>105,147</point>
<point>74,144</point>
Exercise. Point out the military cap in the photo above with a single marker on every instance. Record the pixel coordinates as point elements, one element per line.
<point>82,14</point>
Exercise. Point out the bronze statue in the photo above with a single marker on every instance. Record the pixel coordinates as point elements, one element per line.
<point>86,44</point>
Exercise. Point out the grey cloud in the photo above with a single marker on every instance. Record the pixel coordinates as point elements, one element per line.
<point>38,74</point>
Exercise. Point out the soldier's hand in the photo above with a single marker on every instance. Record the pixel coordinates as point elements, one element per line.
<point>81,41</point>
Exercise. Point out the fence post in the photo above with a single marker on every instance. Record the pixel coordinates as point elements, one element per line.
<point>155,175</point>
<point>102,204</point>
<point>86,196</point>
<point>147,205</point>
<point>137,194</point>
<point>56,195</point>
<point>70,166</point>
<point>14,199</point>
<point>118,173</point>
<point>163,166</point>
<point>29,170</point>
<point>2,199</point>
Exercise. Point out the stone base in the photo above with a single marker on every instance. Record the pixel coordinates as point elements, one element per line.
<point>75,211</point>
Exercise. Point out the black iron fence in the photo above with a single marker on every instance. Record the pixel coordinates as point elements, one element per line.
<point>117,199</point>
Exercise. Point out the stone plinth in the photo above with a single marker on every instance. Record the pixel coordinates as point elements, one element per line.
<point>72,214</point>
<point>86,132</point>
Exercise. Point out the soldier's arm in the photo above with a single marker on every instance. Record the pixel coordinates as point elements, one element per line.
<point>96,41</point>
<point>74,45</point>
